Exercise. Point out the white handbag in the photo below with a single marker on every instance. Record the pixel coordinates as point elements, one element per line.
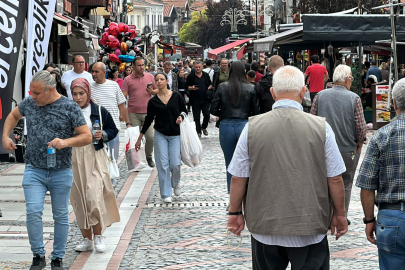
<point>111,162</point>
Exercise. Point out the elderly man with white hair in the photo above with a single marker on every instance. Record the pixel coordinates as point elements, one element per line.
<point>343,110</point>
<point>289,197</point>
<point>383,169</point>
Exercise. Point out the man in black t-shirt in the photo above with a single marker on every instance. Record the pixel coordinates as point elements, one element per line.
<point>199,85</point>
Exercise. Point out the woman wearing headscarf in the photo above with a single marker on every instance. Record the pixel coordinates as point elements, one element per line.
<point>92,195</point>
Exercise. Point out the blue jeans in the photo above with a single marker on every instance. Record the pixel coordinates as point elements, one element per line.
<point>35,183</point>
<point>229,132</point>
<point>391,239</point>
<point>168,160</point>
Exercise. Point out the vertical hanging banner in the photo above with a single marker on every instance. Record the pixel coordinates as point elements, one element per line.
<point>40,16</point>
<point>12,19</point>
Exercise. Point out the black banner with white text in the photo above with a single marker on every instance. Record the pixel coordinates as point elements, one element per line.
<point>12,18</point>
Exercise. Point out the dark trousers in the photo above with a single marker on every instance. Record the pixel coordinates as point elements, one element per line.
<point>198,107</point>
<point>348,175</point>
<point>313,96</point>
<point>312,257</point>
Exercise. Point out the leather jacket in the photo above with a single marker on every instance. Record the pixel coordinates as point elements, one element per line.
<point>248,104</point>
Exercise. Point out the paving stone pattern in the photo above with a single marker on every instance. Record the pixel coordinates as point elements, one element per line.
<point>190,233</point>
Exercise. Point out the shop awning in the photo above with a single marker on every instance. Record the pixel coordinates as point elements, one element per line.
<point>214,53</point>
<point>62,20</point>
<point>266,44</point>
<point>355,28</point>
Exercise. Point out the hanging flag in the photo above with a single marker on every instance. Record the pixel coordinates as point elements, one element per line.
<point>12,18</point>
<point>40,16</point>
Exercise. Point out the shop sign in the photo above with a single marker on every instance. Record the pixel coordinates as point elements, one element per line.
<point>13,15</point>
<point>382,103</point>
<point>263,47</point>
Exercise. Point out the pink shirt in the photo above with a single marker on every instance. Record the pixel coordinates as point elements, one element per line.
<point>138,97</point>
<point>119,81</point>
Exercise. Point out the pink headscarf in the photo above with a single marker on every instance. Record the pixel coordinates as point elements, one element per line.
<point>85,85</point>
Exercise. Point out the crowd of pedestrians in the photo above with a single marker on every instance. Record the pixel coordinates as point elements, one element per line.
<point>289,173</point>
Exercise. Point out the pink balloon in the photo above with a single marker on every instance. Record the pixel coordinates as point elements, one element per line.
<point>117,52</point>
<point>111,38</point>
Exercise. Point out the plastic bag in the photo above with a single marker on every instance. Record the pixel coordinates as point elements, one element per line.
<point>190,145</point>
<point>306,101</point>
<point>131,155</point>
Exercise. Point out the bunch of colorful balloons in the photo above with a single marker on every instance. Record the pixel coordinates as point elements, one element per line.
<point>119,46</point>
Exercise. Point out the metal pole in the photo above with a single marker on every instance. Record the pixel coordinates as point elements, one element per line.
<point>257,26</point>
<point>393,65</point>
<point>360,64</point>
<point>156,56</point>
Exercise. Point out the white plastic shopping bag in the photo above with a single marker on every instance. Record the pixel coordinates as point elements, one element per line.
<point>131,155</point>
<point>191,148</point>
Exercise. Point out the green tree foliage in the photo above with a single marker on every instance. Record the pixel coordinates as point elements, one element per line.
<point>205,28</point>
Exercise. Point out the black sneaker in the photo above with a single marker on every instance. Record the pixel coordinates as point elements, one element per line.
<point>150,162</point>
<point>38,263</point>
<point>348,222</point>
<point>205,132</point>
<point>57,264</point>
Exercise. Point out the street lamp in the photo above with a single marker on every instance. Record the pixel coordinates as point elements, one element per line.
<point>233,17</point>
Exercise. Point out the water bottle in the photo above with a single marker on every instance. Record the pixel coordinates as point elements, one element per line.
<point>186,99</point>
<point>51,157</point>
<point>96,127</point>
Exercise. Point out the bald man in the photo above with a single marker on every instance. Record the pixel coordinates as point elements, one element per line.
<point>262,88</point>
<point>108,94</point>
<point>78,71</point>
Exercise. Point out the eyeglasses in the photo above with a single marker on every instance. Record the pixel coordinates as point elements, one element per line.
<point>80,63</point>
<point>350,77</point>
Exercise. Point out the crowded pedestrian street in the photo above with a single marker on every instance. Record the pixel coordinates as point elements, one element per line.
<point>189,233</point>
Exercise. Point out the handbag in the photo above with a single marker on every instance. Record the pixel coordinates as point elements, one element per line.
<point>111,162</point>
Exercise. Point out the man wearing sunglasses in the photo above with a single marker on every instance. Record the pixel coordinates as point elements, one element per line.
<point>343,111</point>
<point>78,71</point>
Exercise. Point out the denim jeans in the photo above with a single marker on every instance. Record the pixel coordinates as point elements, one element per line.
<point>168,160</point>
<point>229,132</point>
<point>35,183</point>
<point>115,144</point>
<point>391,239</point>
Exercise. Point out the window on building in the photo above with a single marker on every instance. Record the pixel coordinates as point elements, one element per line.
<point>147,20</point>
<point>153,21</point>
<point>138,23</point>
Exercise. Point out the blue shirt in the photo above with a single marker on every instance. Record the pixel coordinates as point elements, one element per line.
<point>240,167</point>
<point>376,72</point>
<point>45,123</point>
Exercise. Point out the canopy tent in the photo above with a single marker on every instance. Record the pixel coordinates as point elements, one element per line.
<point>356,28</point>
<point>214,53</point>
<point>266,44</point>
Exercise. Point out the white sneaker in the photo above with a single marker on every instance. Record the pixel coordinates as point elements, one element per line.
<point>99,243</point>
<point>85,245</point>
<point>167,200</point>
<point>177,190</point>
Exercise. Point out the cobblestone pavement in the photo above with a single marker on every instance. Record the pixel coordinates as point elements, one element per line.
<point>186,234</point>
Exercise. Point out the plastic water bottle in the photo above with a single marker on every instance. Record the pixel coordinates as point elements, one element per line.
<point>96,127</point>
<point>51,158</point>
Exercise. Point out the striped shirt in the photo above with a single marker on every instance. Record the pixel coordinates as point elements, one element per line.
<point>109,95</point>
<point>383,167</point>
<point>240,167</point>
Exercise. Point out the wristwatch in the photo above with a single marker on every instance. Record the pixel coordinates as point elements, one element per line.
<point>127,124</point>
<point>235,213</point>
<point>368,221</point>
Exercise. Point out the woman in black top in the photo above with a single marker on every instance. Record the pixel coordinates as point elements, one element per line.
<point>165,108</point>
<point>234,101</point>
